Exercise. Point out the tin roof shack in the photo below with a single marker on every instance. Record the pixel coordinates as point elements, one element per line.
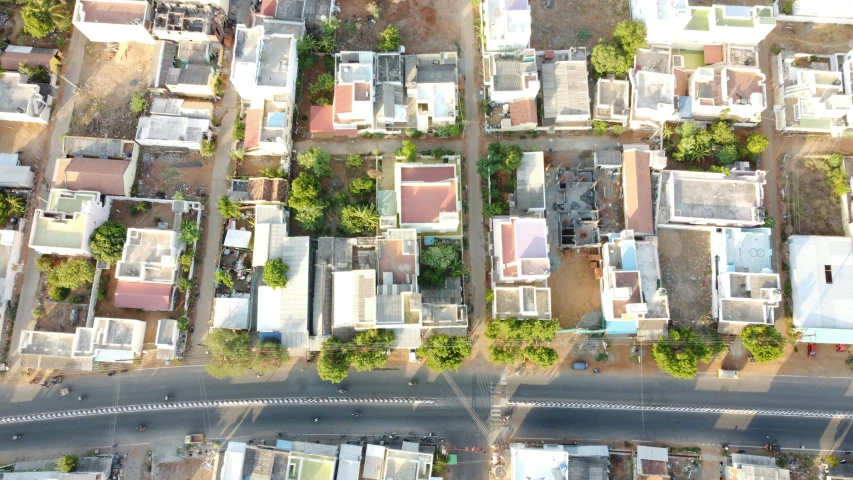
<point>174,123</point>
<point>651,463</point>
<point>577,210</point>
<point>754,467</point>
<point>113,20</point>
<point>747,289</point>
<point>565,88</point>
<point>631,301</point>
<point>65,225</point>
<point>14,55</point>
<point>714,199</point>
<point>13,174</point>
<point>822,282</point>
<point>167,340</point>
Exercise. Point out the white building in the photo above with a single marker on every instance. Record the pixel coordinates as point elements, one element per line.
<point>431,82</point>
<point>194,21</point>
<point>506,25</point>
<point>612,100</point>
<point>114,20</point>
<point>264,65</point>
<point>707,198</point>
<point>530,183</point>
<point>822,282</point>
<point>734,86</point>
<point>65,225</point>
<point>354,91</point>
<point>21,101</point>
<point>148,269</point>
<point>817,11</point>
<point>814,94</point>
<point>653,88</point>
<point>112,340</point>
<point>510,79</point>
<point>13,174</point>
<point>179,131</point>
<point>354,299</point>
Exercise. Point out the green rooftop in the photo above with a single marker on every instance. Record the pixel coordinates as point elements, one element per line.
<point>817,123</point>
<point>698,20</point>
<point>305,466</point>
<point>69,202</point>
<point>731,22</point>
<point>59,233</point>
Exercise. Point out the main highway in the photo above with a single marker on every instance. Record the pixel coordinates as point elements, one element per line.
<point>461,413</point>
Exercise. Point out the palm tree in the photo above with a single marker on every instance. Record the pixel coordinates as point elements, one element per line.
<point>42,16</point>
<point>16,205</point>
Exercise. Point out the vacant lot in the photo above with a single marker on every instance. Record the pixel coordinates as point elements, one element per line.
<point>28,138</point>
<point>110,76</point>
<point>575,292</point>
<point>163,171</point>
<point>817,38</point>
<point>813,209</point>
<point>685,263</point>
<point>426,26</point>
<point>574,23</point>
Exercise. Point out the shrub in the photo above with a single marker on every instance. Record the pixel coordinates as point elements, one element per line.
<point>208,148</point>
<point>107,242</point>
<point>185,284</point>
<point>439,256</point>
<point>414,133</point>
<point>316,160</point>
<point>67,463</point>
<point>239,129</point>
<point>72,274</point>
<point>409,151</point>
<point>617,130</point>
<point>359,219</point>
<point>58,294</point>
<point>583,34</point>
<point>786,7</point>
<point>183,323</point>
<point>76,299</point>
<point>272,172</point>
<point>185,261</point>
<point>756,144</point>
<point>769,222</point>
<point>190,232</point>
<point>694,142</point>
<point>542,356</point>
<point>324,83</point>
<point>228,208</point>
<point>722,133</point>
<point>831,166</point>
<point>363,184</point>
<point>602,357</point>
<point>490,296</point>
<point>505,355</point>
<point>44,264</point>
<point>354,160</point>
<point>42,16</point>
<point>224,278</point>
<point>680,354</point>
<point>138,103</point>
<point>373,10</point>
<point>35,73</point>
<point>38,312</point>
<point>727,154</point>
<point>389,39</point>
<point>610,58</point>
<point>275,273</point>
<point>304,190</point>
<point>230,353</point>
<point>832,461</point>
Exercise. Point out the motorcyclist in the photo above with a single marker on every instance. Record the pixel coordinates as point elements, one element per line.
<point>412,383</point>
<point>316,419</point>
<point>355,414</point>
<point>342,390</point>
<point>141,428</point>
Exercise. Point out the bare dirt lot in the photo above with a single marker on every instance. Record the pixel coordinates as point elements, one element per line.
<point>164,171</point>
<point>575,23</point>
<point>153,214</point>
<point>575,291</point>
<point>817,38</point>
<point>427,26</point>
<point>109,78</point>
<point>30,139</point>
<point>251,166</point>
<point>812,208</point>
<point>190,468</point>
<point>57,314</point>
<point>685,263</point>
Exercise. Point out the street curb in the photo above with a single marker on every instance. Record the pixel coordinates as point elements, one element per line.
<point>213,404</point>
<point>681,409</point>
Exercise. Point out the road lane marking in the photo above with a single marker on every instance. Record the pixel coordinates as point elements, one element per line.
<point>681,409</point>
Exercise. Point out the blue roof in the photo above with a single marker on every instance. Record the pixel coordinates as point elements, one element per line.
<point>272,335</point>
<point>833,336</point>
<point>685,107</point>
<point>285,445</point>
<point>622,327</point>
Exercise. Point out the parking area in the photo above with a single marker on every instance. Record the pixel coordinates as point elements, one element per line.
<point>685,263</point>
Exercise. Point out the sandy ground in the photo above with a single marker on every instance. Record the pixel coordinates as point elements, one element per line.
<point>107,82</point>
<point>155,213</point>
<point>574,290</point>
<point>28,138</point>
<point>575,23</point>
<point>426,26</point>
<point>163,171</point>
<point>817,38</point>
<point>812,208</point>
<point>685,263</point>
<point>190,468</point>
<point>252,165</point>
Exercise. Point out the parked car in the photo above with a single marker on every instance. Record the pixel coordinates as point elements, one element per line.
<point>723,373</point>
<point>413,356</point>
<point>580,366</point>
<point>772,447</point>
<point>812,349</point>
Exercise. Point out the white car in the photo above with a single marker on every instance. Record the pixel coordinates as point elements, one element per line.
<point>413,356</point>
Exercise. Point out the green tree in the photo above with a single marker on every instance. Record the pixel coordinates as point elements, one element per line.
<point>228,208</point>
<point>138,103</point>
<point>311,217</point>
<point>42,16</point>
<point>324,83</point>
<point>610,58</point>
<point>67,463</point>
<point>722,133</point>
<point>769,222</point>
<point>269,356</point>
<point>72,273</point>
<point>183,322</point>
<point>764,342</point>
<point>107,242</point>
<point>542,356</point>
<point>408,150</point>
<point>230,353</point>
<point>490,296</point>
<point>599,126</point>
<point>389,39</point>
<point>58,294</point>
<point>223,277</point>
<point>190,232</point>
<point>439,256</point>
<point>361,185</point>
<point>354,160</point>
<point>44,263</point>
<point>680,354</point>
<point>756,144</point>
<point>34,73</point>
<point>272,172</point>
<point>316,160</point>
<point>720,169</point>
<point>727,154</point>
<point>208,148</point>
<point>458,269</point>
<point>617,130</point>
<point>239,129</point>
<point>186,260</point>
<point>495,208</point>
<point>304,190</point>
<point>333,365</point>
<point>359,218</point>
<point>694,142</point>
<point>505,354</point>
<point>275,273</point>
<point>511,158</point>
<point>369,349</point>
<point>185,284</point>
<point>631,36</point>
<point>444,352</point>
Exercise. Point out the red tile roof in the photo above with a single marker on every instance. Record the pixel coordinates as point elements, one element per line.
<point>268,8</point>
<point>321,119</point>
<point>713,54</point>
<point>147,296</point>
<point>97,174</point>
<point>343,99</point>
<point>424,203</point>
<point>637,185</point>
<point>253,128</point>
<point>426,174</point>
<point>508,249</point>
<point>268,189</point>
<point>522,111</point>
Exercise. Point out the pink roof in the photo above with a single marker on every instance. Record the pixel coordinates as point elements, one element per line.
<point>392,260</point>
<point>508,248</point>
<point>267,8</point>
<point>424,203</point>
<point>147,296</point>
<point>426,174</point>
<point>637,187</point>
<point>343,99</point>
<point>321,119</point>
<point>253,128</point>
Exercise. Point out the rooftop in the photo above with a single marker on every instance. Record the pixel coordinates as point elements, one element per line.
<point>116,13</point>
<point>637,187</point>
<point>231,312</point>
<point>21,98</point>
<point>523,301</point>
<point>612,98</point>
<point>267,189</point>
<point>521,247</point>
<point>167,333</point>
<point>427,192</point>
<point>522,112</point>
<point>100,175</point>
<point>91,147</point>
<point>149,255</point>
<point>398,257</point>
<point>530,463</point>
<point>715,197</point>
<point>407,465</point>
<point>822,281</point>
<point>512,75</point>
<point>285,310</point>
<point>63,224</point>
<point>354,298</point>
<point>168,128</point>
<point>655,90</point>
<point>530,188</point>
<point>15,55</point>
<point>565,89</point>
<point>143,295</point>
<point>754,467</point>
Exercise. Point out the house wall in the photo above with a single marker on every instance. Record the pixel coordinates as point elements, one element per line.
<point>105,32</point>
<point>201,91</point>
<point>11,272</point>
<point>170,143</point>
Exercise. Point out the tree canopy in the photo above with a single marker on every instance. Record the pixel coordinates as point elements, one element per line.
<point>316,160</point>
<point>617,56</point>
<point>190,232</point>
<point>369,349</point>
<point>228,208</point>
<point>764,342</point>
<point>389,39</point>
<point>408,150</point>
<point>107,242</point>
<point>694,142</point>
<point>304,190</point>
<point>230,352</point>
<point>756,144</point>
<point>275,273</point>
<point>541,356</point>
<point>333,365</point>
<point>680,354</point>
<point>42,16</point>
<point>359,219</point>
<point>444,352</point>
<point>10,205</point>
<point>269,356</point>
<point>439,256</point>
<point>72,273</point>
<point>67,463</point>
